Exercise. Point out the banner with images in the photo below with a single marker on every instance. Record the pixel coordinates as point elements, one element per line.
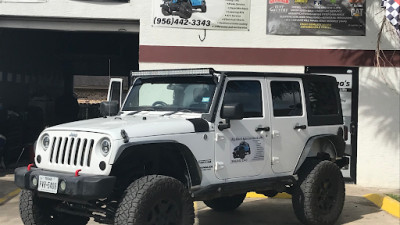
<point>202,14</point>
<point>316,17</point>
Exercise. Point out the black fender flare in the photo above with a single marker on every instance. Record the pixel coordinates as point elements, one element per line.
<point>192,166</point>
<point>336,141</point>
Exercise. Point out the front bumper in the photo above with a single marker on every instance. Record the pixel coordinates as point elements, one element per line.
<point>83,187</point>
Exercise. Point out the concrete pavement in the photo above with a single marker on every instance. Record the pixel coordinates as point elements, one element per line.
<point>8,189</point>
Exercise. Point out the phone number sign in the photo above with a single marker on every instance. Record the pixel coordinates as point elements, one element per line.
<point>202,14</point>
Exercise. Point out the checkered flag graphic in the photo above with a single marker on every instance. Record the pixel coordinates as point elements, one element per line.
<point>393,13</point>
<point>383,4</point>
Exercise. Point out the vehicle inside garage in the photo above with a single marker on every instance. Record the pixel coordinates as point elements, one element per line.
<point>37,69</point>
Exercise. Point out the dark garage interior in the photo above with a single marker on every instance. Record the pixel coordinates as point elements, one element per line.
<point>37,68</point>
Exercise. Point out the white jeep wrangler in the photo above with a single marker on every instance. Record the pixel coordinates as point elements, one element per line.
<point>192,135</point>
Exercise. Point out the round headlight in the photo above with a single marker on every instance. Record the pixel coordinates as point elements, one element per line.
<point>45,141</point>
<point>105,146</point>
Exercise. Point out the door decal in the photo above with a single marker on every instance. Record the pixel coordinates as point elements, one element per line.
<point>246,149</point>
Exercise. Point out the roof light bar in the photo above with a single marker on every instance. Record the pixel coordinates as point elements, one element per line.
<point>179,72</point>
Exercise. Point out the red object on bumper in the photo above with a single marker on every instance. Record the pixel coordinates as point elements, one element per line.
<point>77,172</point>
<point>29,166</point>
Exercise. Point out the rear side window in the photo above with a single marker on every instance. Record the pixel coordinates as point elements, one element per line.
<point>247,93</point>
<point>323,101</point>
<point>322,98</point>
<point>286,98</point>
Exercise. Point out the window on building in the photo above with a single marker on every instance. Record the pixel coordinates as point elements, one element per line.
<point>247,93</point>
<point>286,98</point>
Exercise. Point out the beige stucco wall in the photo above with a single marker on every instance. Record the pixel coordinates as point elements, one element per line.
<point>378,160</point>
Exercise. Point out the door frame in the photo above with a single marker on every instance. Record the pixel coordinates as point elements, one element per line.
<point>286,162</point>
<point>218,137</point>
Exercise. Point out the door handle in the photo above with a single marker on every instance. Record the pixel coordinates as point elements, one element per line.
<point>258,129</point>
<point>300,127</point>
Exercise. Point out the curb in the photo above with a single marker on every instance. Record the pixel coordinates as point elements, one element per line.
<point>279,195</point>
<point>386,203</point>
<point>9,196</point>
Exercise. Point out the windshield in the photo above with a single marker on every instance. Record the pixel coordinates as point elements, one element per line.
<point>190,94</point>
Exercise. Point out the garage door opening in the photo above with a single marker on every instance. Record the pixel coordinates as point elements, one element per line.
<point>37,70</point>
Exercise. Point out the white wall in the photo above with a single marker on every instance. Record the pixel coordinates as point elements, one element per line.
<point>378,160</point>
<point>287,69</point>
<point>78,9</point>
<point>255,38</point>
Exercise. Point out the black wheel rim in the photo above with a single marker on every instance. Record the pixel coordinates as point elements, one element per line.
<point>165,212</point>
<point>326,196</point>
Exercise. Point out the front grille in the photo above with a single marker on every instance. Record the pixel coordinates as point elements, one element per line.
<point>71,151</point>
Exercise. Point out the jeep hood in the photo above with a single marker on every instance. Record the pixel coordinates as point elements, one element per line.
<point>135,126</point>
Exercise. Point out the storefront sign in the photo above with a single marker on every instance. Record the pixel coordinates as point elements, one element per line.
<point>343,80</point>
<point>316,17</point>
<point>202,14</point>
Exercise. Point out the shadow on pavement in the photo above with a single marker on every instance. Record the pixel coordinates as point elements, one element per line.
<point>252,212</point>
<point>6,188</point>
<point>278,211</point>
<point>355,208</point>
<point>6,184</point>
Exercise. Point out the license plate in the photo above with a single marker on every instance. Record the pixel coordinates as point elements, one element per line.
<point>48,184</point>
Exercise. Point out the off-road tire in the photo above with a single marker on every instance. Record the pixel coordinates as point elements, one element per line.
<point>203,7</point>
<point>224,204</point>
<point>185,10</point>
<point>155,199</point>
<point>39,211</point>
<point>166,12</point>
<point>319,195</point>
<point>242,153</point>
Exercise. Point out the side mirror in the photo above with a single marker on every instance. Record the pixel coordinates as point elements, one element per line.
<point>115,90</point>
<point>109,108</point>
<point>232,111</point>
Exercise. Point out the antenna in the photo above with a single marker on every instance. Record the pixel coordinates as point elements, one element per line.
<point>109,69</point>
<point>109,79</point>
